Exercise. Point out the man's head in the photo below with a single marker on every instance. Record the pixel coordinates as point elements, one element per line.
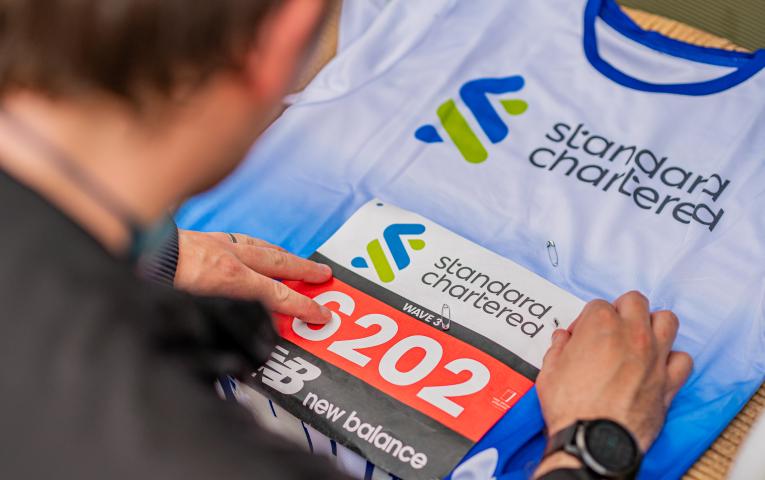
<point>166,61</point>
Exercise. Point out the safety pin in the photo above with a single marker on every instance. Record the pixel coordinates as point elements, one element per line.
<point>446,314</point>
<point>552,252</point>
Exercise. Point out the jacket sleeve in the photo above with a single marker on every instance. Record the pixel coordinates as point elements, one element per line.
<point>160,266</point>
<point>122,388</point>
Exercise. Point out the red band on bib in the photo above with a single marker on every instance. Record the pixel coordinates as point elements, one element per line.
<point>443,377</point>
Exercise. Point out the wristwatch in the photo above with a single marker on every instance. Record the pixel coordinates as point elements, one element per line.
<point>604,447</point>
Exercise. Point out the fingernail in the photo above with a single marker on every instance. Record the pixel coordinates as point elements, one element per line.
<point>326,313</point>
<point>326,269</point>
<point>557,335</point>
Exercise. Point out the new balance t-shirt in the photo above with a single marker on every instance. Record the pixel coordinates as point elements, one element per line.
<point>558,134</point>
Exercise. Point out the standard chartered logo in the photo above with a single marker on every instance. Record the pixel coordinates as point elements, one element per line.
<point>392,236</point>
<point>475,96</point>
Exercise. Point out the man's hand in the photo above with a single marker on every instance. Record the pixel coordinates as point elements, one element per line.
<point>212,264</point>
<point>615,361</point>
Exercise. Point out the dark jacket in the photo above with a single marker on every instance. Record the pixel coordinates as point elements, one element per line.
<point>105,376</point>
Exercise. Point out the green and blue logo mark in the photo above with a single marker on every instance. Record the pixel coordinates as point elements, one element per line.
<point>393,239</point>
<point>475,95</point>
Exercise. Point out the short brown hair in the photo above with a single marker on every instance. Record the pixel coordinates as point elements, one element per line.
<point>122,47</point>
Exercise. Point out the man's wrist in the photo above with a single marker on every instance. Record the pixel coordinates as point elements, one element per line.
<point>599,447</point>
<point>556,461</point>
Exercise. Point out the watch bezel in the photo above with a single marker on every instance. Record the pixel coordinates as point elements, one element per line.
<point>580,444</point>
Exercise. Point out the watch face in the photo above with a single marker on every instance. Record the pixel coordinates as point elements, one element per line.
<point>611,446</point>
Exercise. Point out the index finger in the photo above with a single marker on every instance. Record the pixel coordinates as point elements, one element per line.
<point>282,299</point>
<point>276,296</point>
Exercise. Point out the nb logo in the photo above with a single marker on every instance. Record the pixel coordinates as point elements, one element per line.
<point>475,95</point>
<point>287,376</point>
<point>392,237</point>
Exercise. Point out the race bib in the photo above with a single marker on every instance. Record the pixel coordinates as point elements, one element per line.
<point>432,339</point>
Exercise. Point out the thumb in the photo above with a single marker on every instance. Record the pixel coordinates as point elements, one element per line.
<point>560,338</point>
<point>679,367</point>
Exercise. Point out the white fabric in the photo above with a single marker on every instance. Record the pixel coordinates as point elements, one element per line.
<point>351,137</point>
<point>629,57</point>
<point>355,18</point>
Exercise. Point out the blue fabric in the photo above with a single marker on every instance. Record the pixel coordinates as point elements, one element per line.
<point>518,436</point>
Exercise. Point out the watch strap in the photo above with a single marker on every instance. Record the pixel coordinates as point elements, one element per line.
<point>568,474</point>
<point>560,440</point>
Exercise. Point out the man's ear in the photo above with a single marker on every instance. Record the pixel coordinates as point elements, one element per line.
<point>283,44</point>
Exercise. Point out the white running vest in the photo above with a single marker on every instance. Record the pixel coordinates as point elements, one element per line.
<point>560,135</point>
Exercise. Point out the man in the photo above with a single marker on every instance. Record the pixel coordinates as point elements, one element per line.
<point>112,112</point>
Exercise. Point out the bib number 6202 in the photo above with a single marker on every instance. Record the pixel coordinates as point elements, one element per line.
<point>439,396</point>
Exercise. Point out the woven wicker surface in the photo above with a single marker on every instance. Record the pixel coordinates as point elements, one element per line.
<point>716,462</point>
<point>738,20</point>
<point>679,31</point>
